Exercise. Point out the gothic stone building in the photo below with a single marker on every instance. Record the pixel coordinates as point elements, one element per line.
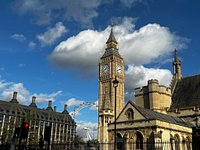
<point>160,118</point>
<point>12,114</point>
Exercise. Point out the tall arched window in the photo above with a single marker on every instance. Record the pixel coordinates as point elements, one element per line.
<point>130,114</point>
<point>139,141</point>
<point>120,142</point>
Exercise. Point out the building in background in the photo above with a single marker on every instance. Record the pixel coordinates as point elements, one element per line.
<point>12,114</point>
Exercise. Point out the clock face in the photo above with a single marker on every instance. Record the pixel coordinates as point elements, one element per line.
<point>105,68</point>
<point>119,69</point>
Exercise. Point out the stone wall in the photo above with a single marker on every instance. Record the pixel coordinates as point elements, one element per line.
<point>153,96</point>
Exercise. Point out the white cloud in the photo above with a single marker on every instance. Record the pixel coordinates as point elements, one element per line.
<point>21,65</point>
<point>2,85</point>
<point>137,76</point>
<point>44,11</point>
<point>95,106</point>
<point>24,96</point>
<point>43,97</point>
<point>32,45</point>
<point>79,104</point>
<point>19,37</point>
<point>129,3</point>
<point>81,52</point>
<point>74,102</point>
<point>143,46</point>
<point>91,128</point>
<point>52,34</point>
<point>151,43</point>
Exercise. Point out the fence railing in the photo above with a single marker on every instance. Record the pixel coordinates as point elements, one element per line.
<point>110,146</point>
<point>72,146</point>
<point>151,146</point>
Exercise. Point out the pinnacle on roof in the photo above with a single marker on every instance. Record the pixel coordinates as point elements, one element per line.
<point>176,56</point>
<point>111,37</point>
<point>50,106</point>
<point>14,99</point>
<point>111,46</point>
<point>33,104</point>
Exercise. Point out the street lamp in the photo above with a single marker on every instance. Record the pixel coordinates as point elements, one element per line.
<point>115,84</point>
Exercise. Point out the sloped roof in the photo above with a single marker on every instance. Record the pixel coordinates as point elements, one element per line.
<point>152,115</point>
<point>111,51</point>
<point>16,109</point>
<point>186,93</point>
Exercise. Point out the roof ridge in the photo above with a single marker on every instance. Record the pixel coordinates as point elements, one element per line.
<point>191,76</point>
<point>150,114</point>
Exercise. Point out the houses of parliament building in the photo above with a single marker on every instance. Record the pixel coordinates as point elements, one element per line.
<point>161,117</point>
<point>12,114</point>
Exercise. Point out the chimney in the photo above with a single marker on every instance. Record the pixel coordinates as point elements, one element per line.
<point>65,107</point>
<point>54,109</point>
<point>33,99</point>
<point>14,95</point>
<point>33,104</point>
<point>49,106</point>
<point>14,99</point>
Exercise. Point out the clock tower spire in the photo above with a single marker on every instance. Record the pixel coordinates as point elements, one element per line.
<point>111,65</point>
<point>111,42</point>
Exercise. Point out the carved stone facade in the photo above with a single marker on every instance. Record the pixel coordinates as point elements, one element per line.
<point>154,96</point>
<point>150,130</point>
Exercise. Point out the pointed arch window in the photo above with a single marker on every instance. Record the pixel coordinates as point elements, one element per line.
<point>130,114</point>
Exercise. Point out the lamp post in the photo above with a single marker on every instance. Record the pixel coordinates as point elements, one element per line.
<point>115,84</point>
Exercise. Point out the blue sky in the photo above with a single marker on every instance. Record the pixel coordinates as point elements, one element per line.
<point>51,48</point>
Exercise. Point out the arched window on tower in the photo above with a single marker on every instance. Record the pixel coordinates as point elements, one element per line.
<point>130,114</point>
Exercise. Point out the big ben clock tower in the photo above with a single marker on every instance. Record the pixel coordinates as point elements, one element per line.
<point>111,65</point>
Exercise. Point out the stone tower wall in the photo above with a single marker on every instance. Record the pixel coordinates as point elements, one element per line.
<point>153,96</point>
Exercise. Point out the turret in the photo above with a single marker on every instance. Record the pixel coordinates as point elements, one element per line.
<point>153,96</point>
